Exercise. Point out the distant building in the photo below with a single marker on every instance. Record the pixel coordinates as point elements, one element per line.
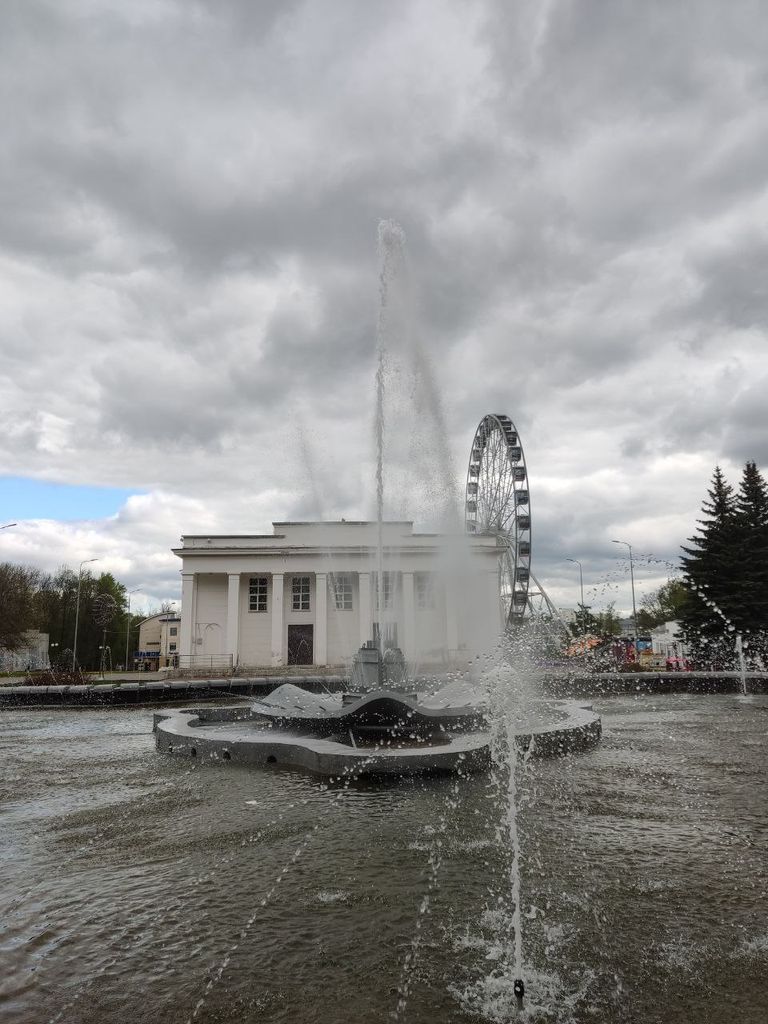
<point>307,594</point>
<point>32,655</point>
<point>667,640</point>
<point>158,642</point>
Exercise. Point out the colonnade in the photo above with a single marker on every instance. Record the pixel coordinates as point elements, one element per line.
<point>319,618</point>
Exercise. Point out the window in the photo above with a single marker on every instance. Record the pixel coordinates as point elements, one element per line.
<point>174,631</point>
<point>257,594</point>
<point>171,647</point>
<point>425,590</point>
<point>389,589</point>
<point>342,592</point>
<point>301,593</point>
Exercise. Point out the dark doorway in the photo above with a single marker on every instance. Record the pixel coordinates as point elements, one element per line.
<point>300,645</point>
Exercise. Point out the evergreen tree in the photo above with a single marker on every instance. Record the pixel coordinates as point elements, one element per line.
<point>708,574</point>
<point>751,552</point>
<point>726,569</point>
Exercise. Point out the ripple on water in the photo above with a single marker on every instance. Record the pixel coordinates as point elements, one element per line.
<point>132,876</point>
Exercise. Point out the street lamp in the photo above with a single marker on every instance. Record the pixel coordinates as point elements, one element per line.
<point>128,630</point>
<point>85,561</point>
<point>581,587</point>
<point>632,579</point>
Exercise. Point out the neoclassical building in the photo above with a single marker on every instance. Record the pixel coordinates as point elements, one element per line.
<point>309,594</point>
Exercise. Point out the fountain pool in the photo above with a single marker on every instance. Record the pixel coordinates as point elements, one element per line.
<point>129,878</point>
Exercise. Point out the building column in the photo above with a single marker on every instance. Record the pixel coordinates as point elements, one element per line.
<point>188,598</point>
<point>233,617</point>
<point>321,619</point>
<point>409,617</point>
<point>278,657</point>
<point>451,619</point>
<point>494,603</point>
<point>364,591</point>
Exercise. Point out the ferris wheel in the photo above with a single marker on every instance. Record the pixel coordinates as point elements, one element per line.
<point>498,502</point>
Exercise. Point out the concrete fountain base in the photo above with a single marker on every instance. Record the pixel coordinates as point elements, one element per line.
<point>378,733</point>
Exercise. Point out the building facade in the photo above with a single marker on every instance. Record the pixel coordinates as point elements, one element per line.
<point>32,655</point>
<point>309,594</point>
<point>159,642</point>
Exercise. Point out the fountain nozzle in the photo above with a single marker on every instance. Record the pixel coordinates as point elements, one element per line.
<point>519,989</point>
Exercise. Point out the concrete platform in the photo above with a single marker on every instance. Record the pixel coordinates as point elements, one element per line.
<point>323,741</point>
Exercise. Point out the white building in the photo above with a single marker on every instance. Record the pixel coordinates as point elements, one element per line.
<point>308,594</point>
<point>33,654</point>
<point>667,640</point>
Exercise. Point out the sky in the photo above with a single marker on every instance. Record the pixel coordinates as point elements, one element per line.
<point>191,193</point>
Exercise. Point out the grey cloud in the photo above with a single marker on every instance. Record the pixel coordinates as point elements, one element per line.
<point>580,184</point>
<point>734,291</point>
<point>746,433</point>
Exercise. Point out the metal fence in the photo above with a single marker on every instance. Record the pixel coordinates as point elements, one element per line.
<point>219,662</point>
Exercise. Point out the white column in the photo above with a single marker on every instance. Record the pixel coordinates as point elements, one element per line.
<point>321,619</point>
<point>496,614</point>
<point>278,657</point>
<point>451,618</point>
<point>233,617</point>
<point>409,617</point>
<point>364,590</point>
<point>188,595</point>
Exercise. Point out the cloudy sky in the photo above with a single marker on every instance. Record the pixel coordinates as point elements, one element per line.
<point>189,198</point>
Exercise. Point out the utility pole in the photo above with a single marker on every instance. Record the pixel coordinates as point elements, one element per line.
<point>632,580</point>
<point>581,587</point>
<point>128,630</point>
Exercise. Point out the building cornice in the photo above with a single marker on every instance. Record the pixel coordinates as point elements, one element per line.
<point>326,551</point>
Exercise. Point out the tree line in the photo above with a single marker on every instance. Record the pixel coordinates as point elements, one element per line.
<point>34,600</point>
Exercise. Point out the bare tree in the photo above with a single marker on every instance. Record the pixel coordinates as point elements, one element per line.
<point>18,585</point>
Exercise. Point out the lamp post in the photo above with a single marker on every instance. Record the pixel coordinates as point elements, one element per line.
<point>632,580</point>
<point>581,588</point>
<point>85,561</point>
<point>128,630</point>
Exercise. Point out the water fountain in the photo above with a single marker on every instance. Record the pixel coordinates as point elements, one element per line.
<point>382,726</point>
<point>385,725</point>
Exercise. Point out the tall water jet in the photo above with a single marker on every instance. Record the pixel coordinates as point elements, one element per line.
<point>391,243</point>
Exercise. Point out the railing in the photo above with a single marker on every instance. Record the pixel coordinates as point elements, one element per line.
<point>220,662</point>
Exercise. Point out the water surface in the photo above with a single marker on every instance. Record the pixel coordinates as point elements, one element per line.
<point>138,887</point>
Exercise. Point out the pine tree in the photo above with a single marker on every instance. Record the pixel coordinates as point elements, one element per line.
<point>751,555</point>
<point>710,573</point>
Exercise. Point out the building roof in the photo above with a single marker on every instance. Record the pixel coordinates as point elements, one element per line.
<point>356,535</point>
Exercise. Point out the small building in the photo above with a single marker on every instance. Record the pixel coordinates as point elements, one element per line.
<point>158,642</point>
<point>309,594</point>
<point>667,640</point>
<point>32,655</point>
